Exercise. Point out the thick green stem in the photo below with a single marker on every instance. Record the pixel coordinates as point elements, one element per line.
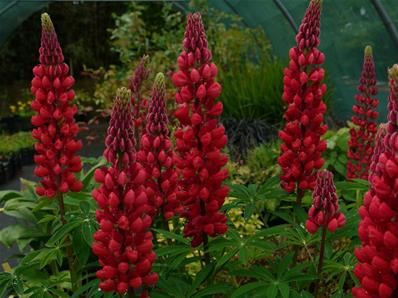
<point>206,249</point>
<point>69,251</point>
<point>320,263</point>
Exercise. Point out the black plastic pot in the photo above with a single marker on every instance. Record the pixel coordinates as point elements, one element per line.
<point>13,124</point>
<point>27,156</point>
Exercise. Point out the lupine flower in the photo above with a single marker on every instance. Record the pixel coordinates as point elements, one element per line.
<point>303,91</point>
<point>123,243</point>
<point>379,149</point>
<point>324,211</point>
<point>140,104</point>
<point>200,137</point>
<point>56,148</point>
<point>157,156</point>
<point>362,137</point>
<point>378,255</point>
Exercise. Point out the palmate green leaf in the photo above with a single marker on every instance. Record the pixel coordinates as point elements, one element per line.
<point>88,229</point>
<point>271,291</point>
<point>88,177</point>
<point>65,229</point>
<point>46,256</point>
<point>75,198</point>
<point>210,291</point>
<point>244,290</point>
<point>93,284</point>
<point>28,189</point>
<point>21,213</point>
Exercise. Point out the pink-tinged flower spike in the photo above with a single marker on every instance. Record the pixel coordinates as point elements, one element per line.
<point>362,137</point>
<point>378,254</point>
<point>324,211</point>
<point>302,147</point>
<point>200,137</point>
<point>56,148</point>
<point>123,243</point>
<point>157,156</point>
<point>379,149</point>
<point>139,103</point>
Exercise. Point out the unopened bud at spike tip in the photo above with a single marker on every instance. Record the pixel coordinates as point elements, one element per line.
<point>46,22</point>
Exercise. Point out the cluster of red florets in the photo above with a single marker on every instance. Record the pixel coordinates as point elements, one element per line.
<point>324,211</point>
<point>140,104</point>
<point>378,256</point>
<point>56,130</point>
<point>123,243</point>
<point>156,154</point>
<point>200,137</point>
<point>303,91</point>
<point>362,137</point>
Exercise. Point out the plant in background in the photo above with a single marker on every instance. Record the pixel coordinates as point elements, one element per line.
<point>123,243</point>
<point>362,136</point>
<point>377,256</point>
<point>200,138</point>
<point>140,105</point>
<point>303,90</point>
<point>157,157</point>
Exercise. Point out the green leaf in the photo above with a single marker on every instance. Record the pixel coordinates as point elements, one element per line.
<point>93,284</point>
<point>225,258</point>
<point>171,235</point>
<point>247,288</point>
<point>212,290</point>
<point>88,229</point>
<point>62,232</point>
<point>80,246</point>
<point>85,207</point>
<point>5,195</point>
<point>271,291</point>
<point>12,233</point>
<point>5,283</point>
<point>202,276</point>
<point>284,289</point>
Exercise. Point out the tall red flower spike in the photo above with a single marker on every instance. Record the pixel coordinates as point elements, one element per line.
<point>56,148</point>
<point>362,137</point>
<point>324,211</point>
<point>377,269</point>
<point>140,104</point>
<point>200,137</point>
<point>302,147</point>
<point>123,243</point>
<point>157,156</point>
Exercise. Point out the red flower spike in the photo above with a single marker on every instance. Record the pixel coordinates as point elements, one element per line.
<point>302,147</point>
<point>362,137</point>
<point>378,232</point>
<point>200,137</point>
<point>56,148</point>
<point>140,104</point>
<point>157,156</point>
<point>123,243</point>
<point>324,211</point>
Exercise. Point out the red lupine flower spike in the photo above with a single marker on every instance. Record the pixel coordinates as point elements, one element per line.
<point>140,104</point>
<point>56,148</point>
<point>324,211</point>
<point>123,243</point>
<point>156,154</point>
<point>378,254</point>
<point>200,137</point>
<point>302,147</point>
<point>362,137</point>
<point>379,149</point>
